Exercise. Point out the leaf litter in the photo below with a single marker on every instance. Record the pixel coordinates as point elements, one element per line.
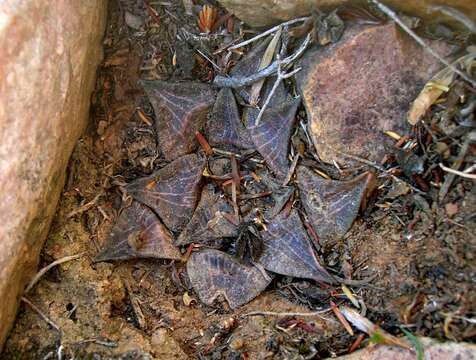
<point>234,231</point>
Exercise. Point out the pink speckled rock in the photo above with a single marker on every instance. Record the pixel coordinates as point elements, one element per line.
<point>361,86</point>
<point>49,51</point>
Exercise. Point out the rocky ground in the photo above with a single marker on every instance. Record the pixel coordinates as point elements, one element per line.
<point>413,237</point>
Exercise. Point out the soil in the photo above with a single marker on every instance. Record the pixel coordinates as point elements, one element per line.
<point>422,254</point>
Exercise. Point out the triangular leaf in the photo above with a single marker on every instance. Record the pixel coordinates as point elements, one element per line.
<point>172,192</point>
<point>181,108</point>
<point>272,135</point>
<point>224,126</point>
<point>332,206</point>
<point>288,250</point>
<point>208,223</point>
<point>213,273</point>
<point>138,233</point>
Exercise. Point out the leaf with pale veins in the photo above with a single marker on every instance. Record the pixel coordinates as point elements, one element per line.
<point>272,135</point>
<point>225,127</point>
<point>288,250</point>
<point>208,224</point>
<point>214,273</point>
<point>181,109</point>
<point>173,191</point>
<point>138,233</point>
<point>332,206</point>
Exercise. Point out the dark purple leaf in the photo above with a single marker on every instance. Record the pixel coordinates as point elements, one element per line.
<point>224,126</point>
<point>208,223</point>
<point>213,273</point>
<point>172,192</point>
<point>250,63</point>
<point>181,108</point>
<point>138,233</point>
<point>332,206</point>
<point>271,136</point>
<point>279,193</point>
<point>288,250</point>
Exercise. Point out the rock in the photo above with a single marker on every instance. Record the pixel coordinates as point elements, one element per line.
<point>432,350</point>
<point>49,55</point>
<point>361,86</point>
<point>133,21</point>
<point>165,347</point>
<point>268,12</point>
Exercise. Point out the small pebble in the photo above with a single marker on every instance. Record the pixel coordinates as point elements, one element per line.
<point>237,344</point>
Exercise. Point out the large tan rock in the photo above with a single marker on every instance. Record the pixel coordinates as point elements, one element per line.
<point>49,51</point>
<point>268,12</point>
<point>432,349</point>
<point>361,86</point>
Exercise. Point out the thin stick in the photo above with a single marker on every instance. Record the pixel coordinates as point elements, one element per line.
<point>42,315</point>
<point>342,319</point>
<point>204,143</point>
<point>209,60</point>
<point>267,32</point>
<point>99,342</point>
<point>291,170</point>
<point>238,156</point>
<point>241,81</point>
<point>457,172</point>
<point>281,77</point>
<point>85,207</point>
<point>255,196</point>
<point>44,270</point>
<point>449,178</point>
<point>284,314</point>
<point>457,15</point>
<point>390,13</point>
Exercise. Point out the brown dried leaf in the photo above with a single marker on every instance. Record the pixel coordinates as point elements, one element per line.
<point>288,250</point>
<point>214,273</point>
<point>365,325</point>
<point>434,88</point>
<point>332,206</point>
<point>172,192</point>
<point>265,61</point>
<point>181,108</point>
<point>138,233</point>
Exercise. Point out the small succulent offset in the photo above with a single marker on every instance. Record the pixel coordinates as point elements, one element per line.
<point>207,18</point>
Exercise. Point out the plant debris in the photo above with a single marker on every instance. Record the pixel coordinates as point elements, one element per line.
<point>231,236</point>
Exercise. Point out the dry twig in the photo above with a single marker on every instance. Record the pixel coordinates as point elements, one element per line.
<point>449,178</point>
<point>390,13</point>
<point>459,173</point>
<point>267,32</point>
<point>281,76</point>
<point>85,207</point>
<point>42,315</point>
<point>284,314</point>
<point>44,270</point>
<point>457,15</point>
<point>291,170</point>
<point>241,81</point>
